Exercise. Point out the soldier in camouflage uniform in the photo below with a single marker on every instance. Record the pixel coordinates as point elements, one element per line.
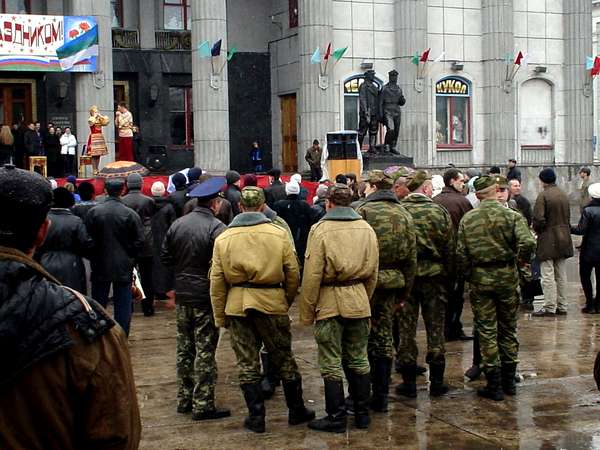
<point>253,281</point>
<point>394,228</point>
<point>435,254</point>
<point>188,248</point>
<point>493,241</point>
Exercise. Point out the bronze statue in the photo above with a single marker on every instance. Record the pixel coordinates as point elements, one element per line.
<point>390,101</point>
<point>368,94</point>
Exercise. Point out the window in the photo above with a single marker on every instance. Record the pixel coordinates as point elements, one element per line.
<point>177,14</point>
<point>453,113</point>
<point>293,13</point>
<point>536,113</point>
<point>351,86</point>
<point>180,116</point>
<point>116,7</point>
<point>16,6</point>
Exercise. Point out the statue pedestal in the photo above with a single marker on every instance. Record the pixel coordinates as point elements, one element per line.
<point>382,161</point>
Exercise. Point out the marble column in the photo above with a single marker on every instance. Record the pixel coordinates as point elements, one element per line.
<point>577,90</point>
<point>147,17</point>
<point>499,105</point>
<point>96,88</point>
<point>316,107</point>
<point>211,106</point>
<point>411,37</point>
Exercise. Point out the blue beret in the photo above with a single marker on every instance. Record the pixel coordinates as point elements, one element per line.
<point>208,189</point>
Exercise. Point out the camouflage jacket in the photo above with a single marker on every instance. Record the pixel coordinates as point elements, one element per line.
<point>395,232</point>
<point>435,236</point>
<point>492,242</point>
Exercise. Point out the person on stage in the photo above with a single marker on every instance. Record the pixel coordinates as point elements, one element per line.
<point>124,122</point>
<point>96,144</point>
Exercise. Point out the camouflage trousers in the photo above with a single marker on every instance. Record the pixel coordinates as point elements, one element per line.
<point>381,342</point>
<point>429,294</point>
<point>495,315</point>
<point>342,341</point>
<point>197,339</point>
<point>274,331</point>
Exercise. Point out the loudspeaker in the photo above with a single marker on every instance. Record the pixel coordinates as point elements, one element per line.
<point>157,158</point>
<point>342,145</point>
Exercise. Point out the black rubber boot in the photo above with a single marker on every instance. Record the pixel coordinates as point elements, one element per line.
<point>381,369</point>
<point>436,379</point>
<point>256,407</point>
<point>473,373</point>
<point>336,420</point>
<point>421,370</point>
<point>270,379</point>
<point>212,414</point>
<point>298,413</point>
<point>597,305</point>
<point>590,307</point>
<point>492,390</point>
<point>350,397</point>
<point>509,371</point>
<point>362,391</point>
<point>408,388</point>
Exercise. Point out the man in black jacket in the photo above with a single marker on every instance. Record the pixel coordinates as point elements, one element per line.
<point>276,189</point>
<point>179,197</point>
<point>188,247</point>
<point>65,366</point>
<point>145,207</point>
<point>118,238</point>
<point>513,173</point>
<point>522,203</point>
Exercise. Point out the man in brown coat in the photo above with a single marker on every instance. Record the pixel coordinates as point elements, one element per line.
<point>551,222</point>
<point>66,380</point>
<point>339,278</point>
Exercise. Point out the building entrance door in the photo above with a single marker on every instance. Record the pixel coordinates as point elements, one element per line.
<point>15,103</point>
<point>289,133</point>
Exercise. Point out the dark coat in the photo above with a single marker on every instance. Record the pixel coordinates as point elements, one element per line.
<point>34,143</point>
<point>524,206</point>
<point>300,217</point>
<point>513,174</point>
<point>65,245</point>
<point>320,210</point>
<point>551,215</point>
<point>52,147</point>
<point>179,198</point>
<point>589,228</point>
<point>118,237</point>
<point>233,195</point>
<point>188,248</point>
<point>455,203</point>
<point>63,367</point>
<point>82,208</point>
<point>145,207</point>
<point>274,193</point>
<point>162,276</point>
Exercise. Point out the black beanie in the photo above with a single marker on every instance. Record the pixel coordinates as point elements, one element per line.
<point>548,176</point>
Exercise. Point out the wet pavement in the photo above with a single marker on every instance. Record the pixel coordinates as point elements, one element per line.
<point>557,405</point>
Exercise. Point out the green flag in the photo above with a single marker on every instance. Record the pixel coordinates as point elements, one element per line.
<point>339,52</point>
<point>415,59</point>
<point>230,53</point>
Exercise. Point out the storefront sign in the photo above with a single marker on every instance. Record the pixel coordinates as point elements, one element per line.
<point>453,86</point>
<point>48,43</point>
<point>351,86</point>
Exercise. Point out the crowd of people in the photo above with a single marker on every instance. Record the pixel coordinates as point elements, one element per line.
<point>363,261</point>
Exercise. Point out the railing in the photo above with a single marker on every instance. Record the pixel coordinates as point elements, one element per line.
<point>123,38</point>
<point>173,40</point>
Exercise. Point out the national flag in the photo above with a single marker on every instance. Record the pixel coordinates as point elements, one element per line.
<point>216,48</point>
<point>589,63</point>
<point>596,68</point>
<point>327,52</point>
<point>339,52</point>
<point>316,57</point>
<point>425,55</point>
<point>231,52</point>
<point>439,58</point>
<point>415,59</point>
<point>204,49</point>
<point>79,49</point>
<point>519,59</point>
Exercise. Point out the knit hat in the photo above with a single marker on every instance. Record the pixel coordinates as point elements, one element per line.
<point>72,179</point>
<point>134,181</point>
<point>179,180</point>
<point>292,188</point>
<point>297,178</point>
<point>417,179</point>
<point>594,190</point>
<point>548,176</point>
<point>158,189</point>
<point>249,180</point>
<point>322,191</point>
<point>252,197</point>
<point>232,176</point>
<point>193,174</point>
<point>53,183</point>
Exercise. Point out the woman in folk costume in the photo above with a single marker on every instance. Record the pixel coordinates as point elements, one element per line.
<point>96,145</point>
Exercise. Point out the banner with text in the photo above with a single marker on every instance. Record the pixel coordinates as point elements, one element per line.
<point>48,43</point>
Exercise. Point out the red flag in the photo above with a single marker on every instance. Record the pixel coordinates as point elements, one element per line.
<point>425,55</point>
<point>519,58</point>
<point>596,68</point>
<point>328,52</point>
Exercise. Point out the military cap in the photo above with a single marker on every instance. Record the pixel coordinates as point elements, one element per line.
<point>340,194</point>
<point>416,179</point>
<point>393,72</point>
<point>484,182</point>
<point>380,179</point>
<point>501,181</point>
<point>252,197</point>
<point>208,189</point>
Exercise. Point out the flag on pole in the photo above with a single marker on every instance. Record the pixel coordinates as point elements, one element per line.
<point>327,52</point>
<point>596,68</point>
<point>519,59</point>
<point>339,52</point>
<point>589,63</point>
<point>204,49</point>
<point>439,58</point>
<point>425,55</point>
<point>232,51</point>
<point>525,62</point>
<point>415,59</point>
<point>316,57</point>
<point>216,49</point>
